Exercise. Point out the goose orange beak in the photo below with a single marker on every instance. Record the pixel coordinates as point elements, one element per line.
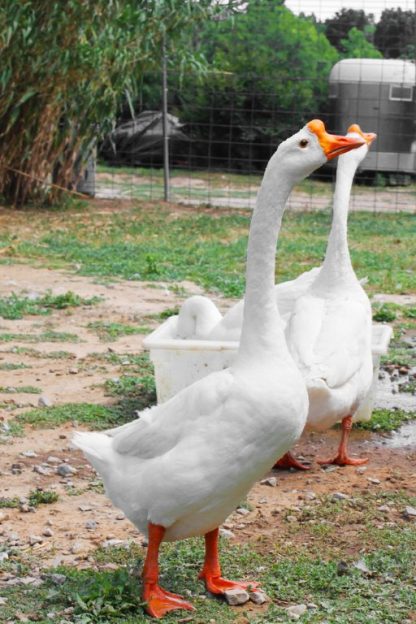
<point>368,137</point>
<point>332,144</point>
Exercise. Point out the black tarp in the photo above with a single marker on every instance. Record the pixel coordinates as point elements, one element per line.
<point>141,139</point>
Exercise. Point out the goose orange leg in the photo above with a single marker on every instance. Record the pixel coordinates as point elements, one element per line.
<point>289,461</point>
<point>342,458</point>
<point>158,600</point>
<point>211,571</point>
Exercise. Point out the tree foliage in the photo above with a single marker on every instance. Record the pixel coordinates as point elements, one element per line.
<point>268,73</point>
<point>395,34</point>
<point>337,28</point>
<point>356,45</point>
<point>64,68</point>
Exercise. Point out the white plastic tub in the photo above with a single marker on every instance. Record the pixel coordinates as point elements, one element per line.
<point>178,363</point>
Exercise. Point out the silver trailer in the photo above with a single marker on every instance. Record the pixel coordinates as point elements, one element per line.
<point>379,95</point>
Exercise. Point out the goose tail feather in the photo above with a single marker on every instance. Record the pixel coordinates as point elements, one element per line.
<point>96,447</point>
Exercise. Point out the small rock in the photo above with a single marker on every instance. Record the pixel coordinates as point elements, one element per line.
<point>91,525</point>
<point>115,542</point>
<point>340,496</point>
<point>76,548</point>
<point>53,460</point>
<point>29,453</point>
<point>65,470</point>
<point>73,371</point>
<point>311,605</point>
<point>362,567</point>
<point>3,556</point>
<point>25,508</point>
<point>120,516</point>
<point>342,568</point>
<point>384,508</point>
<point>44,401</point>
<point>409,512</point>
<point>2,601</point>
<point>58,579</point>
<point>361,470</point>
<point>242,511</point>
<point>295,611</point>
<point>236,596</point>
<point>271,481</point>
<point>35,539</point>
<point>373,480</point>
<point>258,597</point>
<point>291,519</point>
<point>3,516</point>
<point>85,507</point>
<point>310,495</point>
<point>42,470</point>
<point>47,532</point>
<point>226,533</point>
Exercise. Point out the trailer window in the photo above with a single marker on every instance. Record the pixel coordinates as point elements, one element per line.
<point>333,90</point>
<point>401,93</point>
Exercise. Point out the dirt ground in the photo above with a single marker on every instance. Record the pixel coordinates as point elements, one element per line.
<point>69,529</point>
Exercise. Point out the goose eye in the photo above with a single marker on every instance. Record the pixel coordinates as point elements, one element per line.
<point>303,143</point>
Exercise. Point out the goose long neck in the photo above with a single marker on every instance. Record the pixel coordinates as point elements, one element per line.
<point>337,269</point>
<point>262,328</point>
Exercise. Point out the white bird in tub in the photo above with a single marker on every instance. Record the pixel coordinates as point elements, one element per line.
<point>329,331</point>
<point>200,319</point>
<point>182,467</point>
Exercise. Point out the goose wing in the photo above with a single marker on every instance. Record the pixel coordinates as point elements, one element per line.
<point>329,339</point>
<point>161,428</point>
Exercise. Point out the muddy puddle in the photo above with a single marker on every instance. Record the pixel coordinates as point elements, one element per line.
<point>388,394</point>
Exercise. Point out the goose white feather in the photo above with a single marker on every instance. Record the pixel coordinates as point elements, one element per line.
<point>184,465</point>
<point>329,331</point>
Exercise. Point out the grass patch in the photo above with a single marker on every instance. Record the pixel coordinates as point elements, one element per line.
<point>210,249</point>
<point>16,307</point>
<point>9,366</point>
<point>385,312</point>
<point>165,314</point>
<point>133,392</point>
<point>42,497</point>
<point>46,336</point>
<point>35,498</point>
<point>108,331</point>
<point>113,596</point>
<point>20,389</point>
<point>96,416</point>
<point>386,420</point>
<point>10,429</point>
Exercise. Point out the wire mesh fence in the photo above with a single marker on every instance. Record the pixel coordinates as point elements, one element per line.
<point>269,71</point>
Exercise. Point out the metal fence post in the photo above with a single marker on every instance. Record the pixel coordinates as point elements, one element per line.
<point>166,177</point>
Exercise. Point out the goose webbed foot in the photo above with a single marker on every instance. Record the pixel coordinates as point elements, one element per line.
<point>342,458</point>
<point>211,571</point>
<point>219,585</point>
<point>159,601</point>
<point>289,461</point>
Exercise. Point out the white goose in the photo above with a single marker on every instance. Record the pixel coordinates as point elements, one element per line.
<point>329,331</point>
<point>182,467</point>
<point>288,293</point>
